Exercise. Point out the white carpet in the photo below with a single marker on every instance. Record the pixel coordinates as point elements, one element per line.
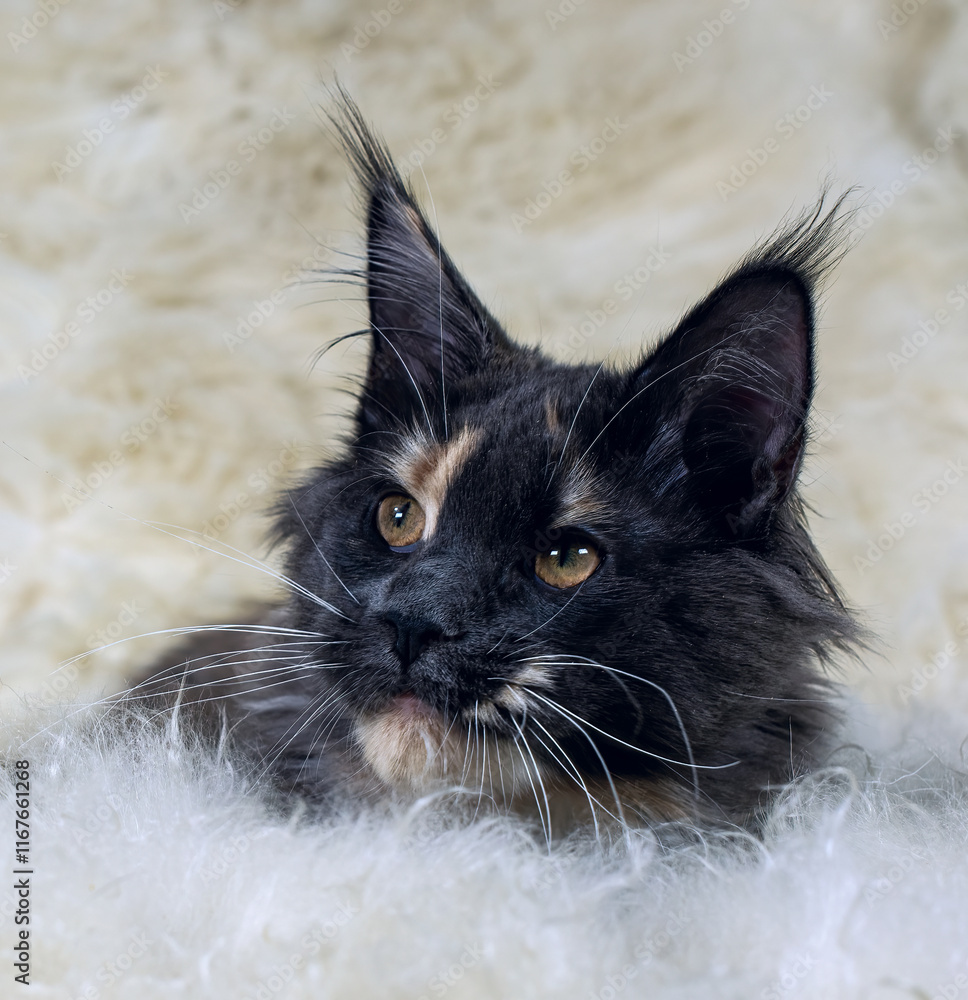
<point>164,182</point>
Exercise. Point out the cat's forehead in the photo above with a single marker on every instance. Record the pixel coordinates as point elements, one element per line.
<point>427,467</point>
<point>526,447</point>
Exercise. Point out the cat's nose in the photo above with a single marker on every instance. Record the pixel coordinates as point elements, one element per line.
<point>413,635</point>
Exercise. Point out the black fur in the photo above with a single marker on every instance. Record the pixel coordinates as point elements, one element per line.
<point>691,657</point>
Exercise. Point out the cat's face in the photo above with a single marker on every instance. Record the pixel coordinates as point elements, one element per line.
<point>539,579</point>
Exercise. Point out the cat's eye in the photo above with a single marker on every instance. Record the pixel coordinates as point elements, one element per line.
<point>400,520</point>
<point>567,564</point>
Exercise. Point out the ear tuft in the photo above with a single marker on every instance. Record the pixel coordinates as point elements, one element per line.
<point>733,382</point>
<point>428,328</point>
<point>744,412</point>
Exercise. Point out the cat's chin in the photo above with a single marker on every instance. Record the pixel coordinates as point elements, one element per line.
<point>410,745</point>
<point>413,748</point>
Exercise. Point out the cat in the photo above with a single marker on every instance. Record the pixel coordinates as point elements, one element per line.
<point>556,587</point>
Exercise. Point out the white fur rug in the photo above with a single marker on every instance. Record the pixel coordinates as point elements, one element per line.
<point>165,182</point>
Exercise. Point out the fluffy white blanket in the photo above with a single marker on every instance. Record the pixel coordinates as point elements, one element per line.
<point>165,183</point>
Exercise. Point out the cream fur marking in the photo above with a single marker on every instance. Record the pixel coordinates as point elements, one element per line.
<point>408,745</point>
<point>553,418</point>
<point>426,469</point>
<point>514,695</point>
<point>412,747</point>
<point>582,499</point>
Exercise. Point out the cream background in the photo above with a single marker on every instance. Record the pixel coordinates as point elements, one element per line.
<point>72,570</point>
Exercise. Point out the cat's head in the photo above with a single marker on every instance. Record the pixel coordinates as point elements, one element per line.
<point>548,579</point>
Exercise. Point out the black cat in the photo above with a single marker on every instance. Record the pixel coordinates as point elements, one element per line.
<point>555,586</point>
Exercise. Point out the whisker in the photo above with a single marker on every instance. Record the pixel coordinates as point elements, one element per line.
<point>144,690</point>
<point>322,733</point>
<point>440,301</point>
<point>648,753</point>
<point>252,563</point>
<point>189,630</point>
<point>545,827</point>
<point>690,360</point>
<point>577,773</point>
<point>658,687</point>
<point>601,760</point>
<point>406,368</point>
<point>315,706</point>
<point>578,590</point>
<point>319,551</point>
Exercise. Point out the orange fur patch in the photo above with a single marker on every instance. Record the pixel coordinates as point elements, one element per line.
<point>426,469</point>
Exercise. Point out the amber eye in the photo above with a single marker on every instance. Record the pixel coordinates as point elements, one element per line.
<point>400,519</point>
<point>568,564</point>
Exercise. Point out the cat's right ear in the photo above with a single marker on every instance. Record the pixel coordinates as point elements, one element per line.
<point>428,329</point>
<point>735,381</point>
<point>724,399</point>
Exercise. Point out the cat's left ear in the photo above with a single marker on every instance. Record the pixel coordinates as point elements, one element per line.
<point>428,329</point>
<point>732,387</point>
